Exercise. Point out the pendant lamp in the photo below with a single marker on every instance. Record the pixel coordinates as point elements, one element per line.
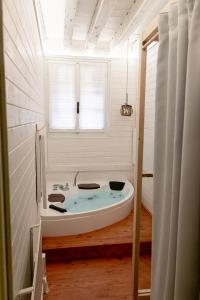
<point>126,109</point>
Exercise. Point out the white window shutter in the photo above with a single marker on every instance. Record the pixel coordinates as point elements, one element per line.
<point>62,96</point>
<point>92,95</point>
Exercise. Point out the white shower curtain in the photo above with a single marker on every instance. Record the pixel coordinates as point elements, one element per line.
<point>176,217</point>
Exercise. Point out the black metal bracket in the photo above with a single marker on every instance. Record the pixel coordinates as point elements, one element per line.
<point>77,107</point>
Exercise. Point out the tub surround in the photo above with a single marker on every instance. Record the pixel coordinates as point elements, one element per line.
<point>55,223</point>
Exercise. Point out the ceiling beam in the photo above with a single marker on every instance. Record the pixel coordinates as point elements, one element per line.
<point>121,34</point>
<point>141,13</point>
<point>70,13</point>
<point>99,19</point>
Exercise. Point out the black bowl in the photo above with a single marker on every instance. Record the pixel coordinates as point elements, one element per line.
<point>116,185</point>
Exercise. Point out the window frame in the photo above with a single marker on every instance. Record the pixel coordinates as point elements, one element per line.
<point>77,61</point>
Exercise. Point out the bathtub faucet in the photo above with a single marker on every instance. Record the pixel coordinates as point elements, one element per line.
<point>75,178</point>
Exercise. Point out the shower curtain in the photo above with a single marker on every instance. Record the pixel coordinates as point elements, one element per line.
<point>176,213</point>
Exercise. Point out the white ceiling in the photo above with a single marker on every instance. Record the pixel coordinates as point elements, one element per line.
<point>92,26</point>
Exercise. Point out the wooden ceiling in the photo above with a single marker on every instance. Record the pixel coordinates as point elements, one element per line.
<point>95,24</point>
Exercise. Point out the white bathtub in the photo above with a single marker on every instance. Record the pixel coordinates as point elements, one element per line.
<point>58,224</point>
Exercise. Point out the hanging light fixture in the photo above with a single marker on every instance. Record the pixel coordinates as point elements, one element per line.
<point>126,109</point>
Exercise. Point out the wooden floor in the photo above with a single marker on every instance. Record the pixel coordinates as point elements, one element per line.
<point>95,279</point>
<point>114,240</point>
<point>97,265</point>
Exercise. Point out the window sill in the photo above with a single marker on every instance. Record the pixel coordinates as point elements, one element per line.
<point>82,133</point>
<point>76,131</point>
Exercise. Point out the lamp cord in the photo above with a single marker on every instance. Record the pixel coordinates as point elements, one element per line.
<point>127,69</point>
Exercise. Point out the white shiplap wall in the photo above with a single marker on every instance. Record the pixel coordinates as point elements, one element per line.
<point>149,125</point>
<point>25,109</point>
<point>97,153</point>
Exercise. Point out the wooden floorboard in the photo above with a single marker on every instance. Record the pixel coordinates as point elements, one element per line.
<point>95,279</point>
<point>120,233</point>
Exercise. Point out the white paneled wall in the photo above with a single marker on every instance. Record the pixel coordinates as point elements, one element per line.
<point>149,125</point>
<point>97,153</point>
<point>25,109</point>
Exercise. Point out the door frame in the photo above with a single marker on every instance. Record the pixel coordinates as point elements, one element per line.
<point>144,43</point>
<point>6,284</point>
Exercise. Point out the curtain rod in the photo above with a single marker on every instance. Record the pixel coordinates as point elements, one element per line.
<point>155,37</point>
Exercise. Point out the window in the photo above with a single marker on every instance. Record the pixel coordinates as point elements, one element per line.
<point>77,96</point>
